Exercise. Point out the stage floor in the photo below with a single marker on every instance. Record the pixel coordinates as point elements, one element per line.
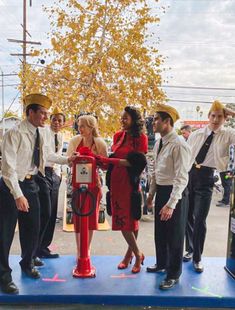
<point>213,288</point>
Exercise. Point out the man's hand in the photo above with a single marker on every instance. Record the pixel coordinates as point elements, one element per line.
<point>166,213</point>
<point>149,202</point>
<point>22,204</point>
<point>229,112</point>
<point>72,158</point>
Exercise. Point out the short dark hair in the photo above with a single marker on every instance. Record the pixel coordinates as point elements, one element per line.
<point>164,116</point>
<point>137,127</point>
<point>34,106</point>
<point>64,118</point>
<point>186,127</point>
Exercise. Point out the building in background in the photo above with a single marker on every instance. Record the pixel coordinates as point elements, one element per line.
<point>7,123</point>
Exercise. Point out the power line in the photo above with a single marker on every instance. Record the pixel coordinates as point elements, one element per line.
<point>194,101</point>
<point>8,109</point>
<point>196,87</point>
<point>200,94</point>
<point>9,85</point>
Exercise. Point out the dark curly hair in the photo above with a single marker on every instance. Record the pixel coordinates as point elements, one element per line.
<point>137,127</point>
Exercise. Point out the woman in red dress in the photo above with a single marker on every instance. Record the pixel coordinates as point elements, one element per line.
<point>130,138</point>
<point>88,137</point>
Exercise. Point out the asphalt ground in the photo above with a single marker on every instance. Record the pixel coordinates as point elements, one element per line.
<point>112,243</point>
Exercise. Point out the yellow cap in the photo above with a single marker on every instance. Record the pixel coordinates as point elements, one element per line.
<point>216,106</point>
<point>57,110</point>
<point>40,99</point>
<point>168,109</point>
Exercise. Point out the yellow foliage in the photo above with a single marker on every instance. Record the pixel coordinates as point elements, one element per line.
<point>99,61</point>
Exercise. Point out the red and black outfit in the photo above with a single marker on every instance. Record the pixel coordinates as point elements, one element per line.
<point>120,187</point>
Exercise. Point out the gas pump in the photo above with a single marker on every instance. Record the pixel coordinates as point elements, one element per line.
<point>84,204</point>
<point>230,261</point>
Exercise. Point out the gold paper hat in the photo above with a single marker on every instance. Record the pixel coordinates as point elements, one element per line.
<point>168,109</point>
<point>40,99</point>
<point>57,111</point>
<point>216,106</point>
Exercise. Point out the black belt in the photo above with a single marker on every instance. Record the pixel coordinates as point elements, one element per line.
<point>29,177</point>
<point>200,167</point>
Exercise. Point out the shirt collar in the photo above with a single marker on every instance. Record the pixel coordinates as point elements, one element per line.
<point>169,136</point>
<point>209,131</point>
<point>26,127</point>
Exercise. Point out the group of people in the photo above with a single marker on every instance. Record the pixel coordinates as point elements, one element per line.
<point>182,180</point>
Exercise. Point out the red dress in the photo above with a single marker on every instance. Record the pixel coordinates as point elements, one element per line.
<point>121,188</point>
<point>93,218</point>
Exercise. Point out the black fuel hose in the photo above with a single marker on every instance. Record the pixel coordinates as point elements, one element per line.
<point>77,209</point>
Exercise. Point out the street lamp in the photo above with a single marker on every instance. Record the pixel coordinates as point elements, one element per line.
<point>197,109</point>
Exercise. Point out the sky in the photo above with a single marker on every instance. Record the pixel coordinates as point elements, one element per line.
<point>197,40</point>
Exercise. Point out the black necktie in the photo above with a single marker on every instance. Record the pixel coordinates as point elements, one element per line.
<point>160,146</point>
<point>204,149</point>
<point>36,152</point>
<point>56,143</point>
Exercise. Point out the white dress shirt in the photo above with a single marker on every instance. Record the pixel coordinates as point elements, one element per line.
<point>51,137</point>
<point>171,166</point>
<point>218,153</point>
<point>17,155</point>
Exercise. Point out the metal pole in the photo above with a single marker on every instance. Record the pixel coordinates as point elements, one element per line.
<point>24,34</point>
<point>24,49</point>
<point>3,104</point>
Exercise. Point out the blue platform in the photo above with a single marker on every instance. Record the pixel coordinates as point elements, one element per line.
<point>214,288</point>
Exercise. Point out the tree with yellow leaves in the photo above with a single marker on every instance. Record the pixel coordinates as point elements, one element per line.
<point>99,61</point>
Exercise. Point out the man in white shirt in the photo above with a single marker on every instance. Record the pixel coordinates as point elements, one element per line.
<point>186,131</point>
<point>49,187</point>
<point>210,151</point>
<point>169,181</point>
<point>24,153</point>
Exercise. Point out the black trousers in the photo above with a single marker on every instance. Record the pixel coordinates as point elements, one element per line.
<point>201,184</point>
<point>29,223</point>
<point>169,235</point>
<point>190,221</point>
<point>48,195</point>
<point>227,184</point>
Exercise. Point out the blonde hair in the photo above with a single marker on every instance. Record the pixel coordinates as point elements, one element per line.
<point>91,122</point>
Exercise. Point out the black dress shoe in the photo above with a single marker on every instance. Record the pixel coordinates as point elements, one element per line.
<point>168,283</point>
<point>187,257</point>
<point>37,262</point>
<point>9,288</point>
<point>155,268</point>
<point>31,272</point>
<point>198,267</point>
<point>49,255</point>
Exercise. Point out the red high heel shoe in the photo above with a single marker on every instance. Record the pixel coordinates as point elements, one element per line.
<point>125,262</point>
<point>137,267</point>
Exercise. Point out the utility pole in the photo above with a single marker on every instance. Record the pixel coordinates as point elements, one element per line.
<point>24,43</point>
<point>3,104</point>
